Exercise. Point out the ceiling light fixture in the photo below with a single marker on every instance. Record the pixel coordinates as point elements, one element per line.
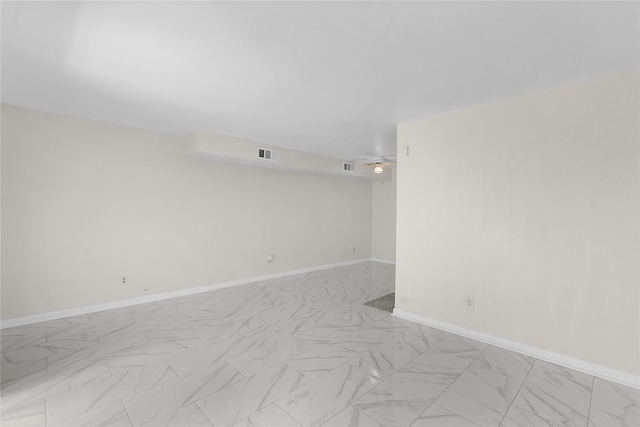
<point>378,168</point>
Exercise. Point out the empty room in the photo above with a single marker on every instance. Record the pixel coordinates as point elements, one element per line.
<point>368,213</point>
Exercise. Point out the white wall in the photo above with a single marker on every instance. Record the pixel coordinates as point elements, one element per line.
<point>383,230</point>
<point>85,202</point>
<point>530,205</point>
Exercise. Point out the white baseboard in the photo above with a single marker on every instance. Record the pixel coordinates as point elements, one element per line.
<point>604,372</point>
<point>383,261</point>
<point>53,315</point>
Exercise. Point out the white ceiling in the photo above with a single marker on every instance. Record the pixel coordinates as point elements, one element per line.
<point>331,78</point>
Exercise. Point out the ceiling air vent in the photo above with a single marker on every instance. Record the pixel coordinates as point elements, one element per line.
<point>265,154</point>
<point>347,167</point>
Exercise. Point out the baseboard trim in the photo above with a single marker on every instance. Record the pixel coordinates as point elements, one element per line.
<point>53,315</point>
<point>604,372</point>
<point>383,261</point>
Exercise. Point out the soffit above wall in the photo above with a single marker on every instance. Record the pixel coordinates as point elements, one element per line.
<point>224,148</point>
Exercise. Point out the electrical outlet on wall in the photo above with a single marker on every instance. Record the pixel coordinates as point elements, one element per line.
<point>471,304</point>
<point>124,280</point>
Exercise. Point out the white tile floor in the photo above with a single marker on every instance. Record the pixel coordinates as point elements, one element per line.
<point>302,350</point>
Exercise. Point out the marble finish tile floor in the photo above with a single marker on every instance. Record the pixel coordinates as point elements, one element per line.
<point>297,351</point>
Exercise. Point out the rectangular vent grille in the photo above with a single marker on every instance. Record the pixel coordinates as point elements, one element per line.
<point>347,167</point>
<point>265,154</point>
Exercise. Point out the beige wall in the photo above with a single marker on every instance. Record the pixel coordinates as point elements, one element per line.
<point>383,230</point>
<point>85,202</point>
<point>529,205</point>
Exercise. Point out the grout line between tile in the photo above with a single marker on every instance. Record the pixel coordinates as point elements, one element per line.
<point>203,413</point>
<point>289,413</point>
<point>519,390</point>
<point>435,401</point>
<point>593,383</point>
<point>453,412</point>
<point>126,411</point>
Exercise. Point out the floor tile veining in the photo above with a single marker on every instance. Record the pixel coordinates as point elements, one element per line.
<point>297,351</point>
